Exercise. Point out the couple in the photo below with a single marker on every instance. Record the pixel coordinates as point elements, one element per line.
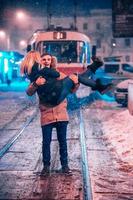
<point>41,70</point>
<point>52,88</point>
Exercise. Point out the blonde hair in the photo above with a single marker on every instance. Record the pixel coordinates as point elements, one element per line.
<point>54,62</point>
<point>28,62</point>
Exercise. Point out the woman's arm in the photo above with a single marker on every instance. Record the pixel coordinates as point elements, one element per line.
<point>49,73</point>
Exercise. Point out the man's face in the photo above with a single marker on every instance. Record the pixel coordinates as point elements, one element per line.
<point>46,60</point>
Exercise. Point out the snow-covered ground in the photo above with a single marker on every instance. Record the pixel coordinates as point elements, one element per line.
<point>117,127</point>
<point>117,123</point>
<point>109,121</point>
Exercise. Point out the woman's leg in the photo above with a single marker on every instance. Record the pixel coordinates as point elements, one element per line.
<point>85,79</point>
<point>68,84</point>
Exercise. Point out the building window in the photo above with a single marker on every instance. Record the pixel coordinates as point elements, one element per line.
<point>127,58</point>
<point>98,43</point>
<point>85,26</point>
<point>98,26</point>
<point>127,42</point>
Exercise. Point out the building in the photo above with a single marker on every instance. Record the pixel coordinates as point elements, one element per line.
<point>97,25</point>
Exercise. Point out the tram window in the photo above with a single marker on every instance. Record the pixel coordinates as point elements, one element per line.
<point>65,51</point>
<point>69,51</point>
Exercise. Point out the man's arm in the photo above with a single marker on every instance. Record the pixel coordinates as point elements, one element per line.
<point>34,86</point>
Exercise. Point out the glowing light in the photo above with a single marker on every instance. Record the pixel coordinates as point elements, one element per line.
<point>23,43</point>
<point>20,15</point>
<point>114,44</point>
<point>2,34</point>
<point>6,64</point>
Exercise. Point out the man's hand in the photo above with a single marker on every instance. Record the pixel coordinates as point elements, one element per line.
<point>40,81</point>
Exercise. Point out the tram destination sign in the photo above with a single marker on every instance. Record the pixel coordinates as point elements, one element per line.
<point>122,18</point>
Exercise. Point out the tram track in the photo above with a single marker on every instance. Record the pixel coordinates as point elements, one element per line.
<point>22,109</point>
<point>15,137</point>
<point>85,167</point>
<point>91,179</point>
<point>56,185</point>
<point>85,185</point>
<point>76,135</point>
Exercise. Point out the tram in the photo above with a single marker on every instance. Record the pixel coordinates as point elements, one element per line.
<point>71,48</point>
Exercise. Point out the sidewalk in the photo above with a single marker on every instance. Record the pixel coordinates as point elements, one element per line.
<point>16,86</point>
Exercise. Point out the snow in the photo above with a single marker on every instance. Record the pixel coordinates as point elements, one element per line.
<point>117,123</point>
<point>117,126</point>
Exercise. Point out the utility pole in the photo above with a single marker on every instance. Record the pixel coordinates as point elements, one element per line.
<point>75,14</point>
<point>49,15</point>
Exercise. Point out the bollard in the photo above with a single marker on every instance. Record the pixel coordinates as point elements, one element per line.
<point>130,98</point>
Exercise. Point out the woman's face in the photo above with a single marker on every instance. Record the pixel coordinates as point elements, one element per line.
<point>46,60</point>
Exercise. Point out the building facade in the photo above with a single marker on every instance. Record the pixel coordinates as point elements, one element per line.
<point>97,25</point>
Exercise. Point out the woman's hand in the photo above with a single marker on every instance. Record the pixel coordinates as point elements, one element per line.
<point>40,81</point>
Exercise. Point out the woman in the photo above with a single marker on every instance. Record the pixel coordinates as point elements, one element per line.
<point>54,91</point>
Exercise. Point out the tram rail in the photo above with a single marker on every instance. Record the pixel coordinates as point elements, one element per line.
<point>86,181</point>
<point>86,185</point>
<point>91,179</point>
<point>7,146</point>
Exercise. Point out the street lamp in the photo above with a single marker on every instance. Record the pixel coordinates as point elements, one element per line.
<point>22,44</point>
<point>16,25</point>
<point>2,34</point>
<point>21,15</point>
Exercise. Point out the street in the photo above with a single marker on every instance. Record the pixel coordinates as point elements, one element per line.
<point>107,128</point>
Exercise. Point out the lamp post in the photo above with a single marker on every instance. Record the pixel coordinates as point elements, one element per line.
<point>9,38</point>
<point>5,36</point>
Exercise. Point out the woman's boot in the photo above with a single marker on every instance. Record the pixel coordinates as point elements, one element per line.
<point>97,62</point>
<point>102,88</point>
<point>91,69</point>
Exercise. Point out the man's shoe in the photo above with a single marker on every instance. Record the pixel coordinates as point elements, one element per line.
<point>46,170</point>
<point>66,170</point>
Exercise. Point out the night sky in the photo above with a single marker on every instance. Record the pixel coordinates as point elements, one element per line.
<point>53,7</point>
<point>57,7</point>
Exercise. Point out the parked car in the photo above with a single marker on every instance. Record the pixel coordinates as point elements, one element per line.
<point>121,92</point>
<point>119,68</point>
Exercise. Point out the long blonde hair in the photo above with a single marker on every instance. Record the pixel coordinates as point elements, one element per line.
<point>28,62</point>
<point>54,62</point>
